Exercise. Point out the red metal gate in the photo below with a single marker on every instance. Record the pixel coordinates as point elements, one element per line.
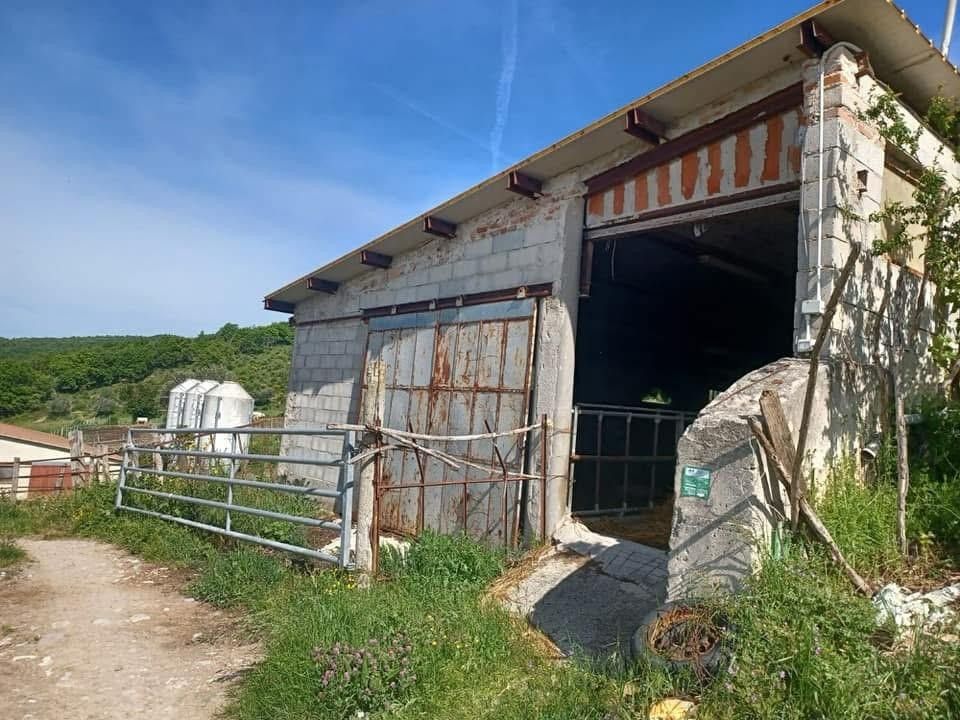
<point>47,478</point>
<point>456,371</point>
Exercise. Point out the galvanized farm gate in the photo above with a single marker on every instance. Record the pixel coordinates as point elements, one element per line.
<point>130,470</point>
<point>446,375</point>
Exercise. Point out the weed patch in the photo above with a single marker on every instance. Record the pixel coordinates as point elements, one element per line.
<point>10,554</point>
<point>239,576</point>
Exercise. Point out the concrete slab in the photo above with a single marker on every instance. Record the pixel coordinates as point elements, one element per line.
<point>590,592</point>
<point>622,559</point>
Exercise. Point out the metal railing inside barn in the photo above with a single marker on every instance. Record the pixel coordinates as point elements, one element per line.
<point>204,449</point>
<point>622,456</point>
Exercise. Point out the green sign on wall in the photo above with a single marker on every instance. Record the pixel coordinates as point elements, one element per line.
<point>695,482</point>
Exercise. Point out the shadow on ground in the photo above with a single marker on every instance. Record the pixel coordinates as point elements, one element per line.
<point>590,592</point>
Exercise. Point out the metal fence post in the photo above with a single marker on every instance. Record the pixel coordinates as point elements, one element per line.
<point>346,498</point>
<point>131,455</point>
<point>653,465</point>
<point>123,477</point>
<point>233,473</point>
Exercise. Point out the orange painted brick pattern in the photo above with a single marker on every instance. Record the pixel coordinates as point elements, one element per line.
<point>793,157</point>
<point>663,185</point>
<point>595,204</point>
<point>689,169</point>
<point>715,161</point>
<point>618,199</point>
<point>771,151</point>
<point>641,193</point>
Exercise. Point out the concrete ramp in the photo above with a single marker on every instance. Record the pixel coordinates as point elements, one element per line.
<point>589,592</point>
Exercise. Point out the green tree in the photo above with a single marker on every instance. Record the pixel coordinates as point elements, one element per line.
<point>59,405</point>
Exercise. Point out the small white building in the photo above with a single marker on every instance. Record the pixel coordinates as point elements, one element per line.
<point>39,452</point>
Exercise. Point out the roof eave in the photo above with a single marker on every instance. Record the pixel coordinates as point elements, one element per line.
<point>845,19</point>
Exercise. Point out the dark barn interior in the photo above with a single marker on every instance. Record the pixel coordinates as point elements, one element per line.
<point>672,316</point>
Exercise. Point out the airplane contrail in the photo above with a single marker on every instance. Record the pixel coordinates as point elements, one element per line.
<point>505,85</point>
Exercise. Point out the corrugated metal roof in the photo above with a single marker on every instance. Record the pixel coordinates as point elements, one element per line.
<point>900,53</point>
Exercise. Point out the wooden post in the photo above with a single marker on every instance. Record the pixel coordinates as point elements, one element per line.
<point>76,457</point>
<point>370,413</point>
<point>782,439</point>
<point>15,480</point>
<point>103,463</point>
<point>543,476</point>
<point>903,460</point>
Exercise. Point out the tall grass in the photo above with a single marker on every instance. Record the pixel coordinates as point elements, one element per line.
<point>862,519</point>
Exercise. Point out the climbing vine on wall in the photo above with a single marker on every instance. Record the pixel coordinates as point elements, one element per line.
<point>929,220</point>
<point>932,218</point>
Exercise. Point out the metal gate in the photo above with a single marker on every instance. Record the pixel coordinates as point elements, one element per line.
<point>623,457</point>
<point>49,477</point>
<point>455,371</point>
<point>229,464</point>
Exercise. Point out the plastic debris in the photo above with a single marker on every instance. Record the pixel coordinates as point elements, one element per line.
<point>673,709</point>
<point>915,610</point>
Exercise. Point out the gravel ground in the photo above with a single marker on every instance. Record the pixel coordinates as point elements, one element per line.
<point>88,631</point>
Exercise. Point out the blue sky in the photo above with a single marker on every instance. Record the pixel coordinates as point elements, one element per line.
<point>164,165</point>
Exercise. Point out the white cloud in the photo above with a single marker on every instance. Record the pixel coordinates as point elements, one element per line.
<point>182,223</point>
<point>95,247</point>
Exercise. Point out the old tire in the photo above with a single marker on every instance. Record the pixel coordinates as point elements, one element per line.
<point>678,619</point>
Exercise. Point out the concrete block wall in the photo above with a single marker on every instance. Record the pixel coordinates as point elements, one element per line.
<point>854,161</point>
<point>325,388</point>
<point>522,242</point>
<point>717,541</point>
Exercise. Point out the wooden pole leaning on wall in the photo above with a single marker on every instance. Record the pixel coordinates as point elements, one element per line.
<point>798,483</point>
<point>15,480</point>
<point>76,458</point>
<point>543,476</point>
<point>807,513</point>
<point>372,413</point>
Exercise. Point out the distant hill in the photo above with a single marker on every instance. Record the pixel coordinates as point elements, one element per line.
<point>54,382</point>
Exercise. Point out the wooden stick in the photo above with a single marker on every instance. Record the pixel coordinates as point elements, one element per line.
<point>903,462</point>
<point>370,453</point>
<point>797,475</point>
<point>438,454</point>
<point>780,436</point>
<point>811,518</point>
<point>952,374</point>
<point>422,436</point>
<point>15,480</point>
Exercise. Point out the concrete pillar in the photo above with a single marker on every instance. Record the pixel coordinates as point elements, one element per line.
<point>553,390</point>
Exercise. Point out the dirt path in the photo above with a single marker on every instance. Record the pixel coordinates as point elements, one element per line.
<point>88,631</point>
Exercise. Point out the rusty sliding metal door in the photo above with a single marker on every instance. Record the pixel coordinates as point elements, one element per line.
<point>450,372</point>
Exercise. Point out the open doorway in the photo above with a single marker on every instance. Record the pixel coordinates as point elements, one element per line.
<point>669,317</point>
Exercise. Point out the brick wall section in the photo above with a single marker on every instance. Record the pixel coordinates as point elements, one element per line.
<point>522,242</point>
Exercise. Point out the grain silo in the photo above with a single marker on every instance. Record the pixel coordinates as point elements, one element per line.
<point>227,406</point>
<point>177,402</point>
<point>193,404</point>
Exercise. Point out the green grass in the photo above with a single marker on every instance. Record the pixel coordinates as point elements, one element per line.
<point>10,554</point>
<point>861,519</point>
<point>805,645</point>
